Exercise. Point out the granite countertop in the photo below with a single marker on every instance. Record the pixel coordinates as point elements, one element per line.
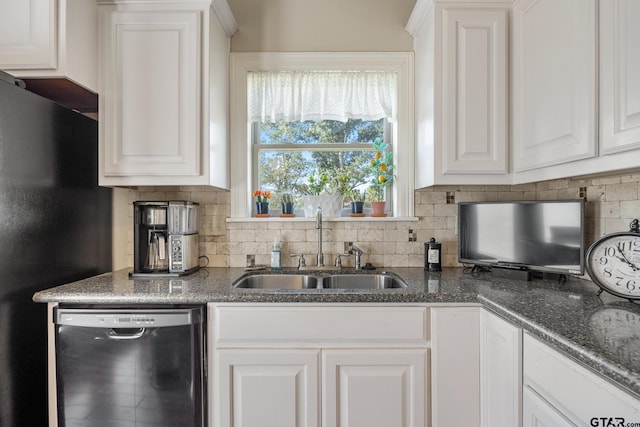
<point>602,333</point>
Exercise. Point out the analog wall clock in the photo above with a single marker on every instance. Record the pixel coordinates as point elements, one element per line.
<point>613,263</point>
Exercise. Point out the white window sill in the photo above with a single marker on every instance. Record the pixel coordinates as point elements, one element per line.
<point>326,219</point>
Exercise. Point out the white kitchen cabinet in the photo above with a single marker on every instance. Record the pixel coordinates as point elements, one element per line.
<point>283,365</point>
<point>567,393</point>
<point>164,93</point>
<point>537,412</point>
<point>266,388</point>
<point>500,371</point>
<point>557,55</point>
<point>619,76</point>
<point>461,102</point>
<point>455,366</point>
<point>554,82</point>
<point>50,39</point>
<point>367,387</point>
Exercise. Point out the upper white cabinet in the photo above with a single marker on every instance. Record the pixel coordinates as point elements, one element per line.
<point>576,88</point>
<point>619,76</point>
<point>50,39</point>
<point>554,82</point>
<point>164,93</point>
<point>461,102</point>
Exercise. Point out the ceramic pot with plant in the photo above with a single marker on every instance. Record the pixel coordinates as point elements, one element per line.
<point>317,189</point>
<point>287,204</point>
<point>357,201</point>
<point>262,202</point>
<point>381,168</point>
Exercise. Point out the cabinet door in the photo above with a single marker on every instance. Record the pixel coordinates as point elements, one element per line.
<point>150,92</point>
<point>474,91</point>
<point>537,412</point>
<point>619,75</point>
<point>554,82</point>
<point>265,388</point>
<point>28,34</point>
<point>500,371</point>
<point>455,366</point>
<point>364,388</point>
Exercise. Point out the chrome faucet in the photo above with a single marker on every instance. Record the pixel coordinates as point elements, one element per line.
<point>320,256</point>
<point>357,252</point>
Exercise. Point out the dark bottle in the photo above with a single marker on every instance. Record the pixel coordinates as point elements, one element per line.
<point>433,255</point>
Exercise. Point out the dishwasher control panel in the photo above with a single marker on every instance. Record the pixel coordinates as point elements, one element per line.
<point>126,318</point>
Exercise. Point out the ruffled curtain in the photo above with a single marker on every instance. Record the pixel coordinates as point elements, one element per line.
<point>321,95</point>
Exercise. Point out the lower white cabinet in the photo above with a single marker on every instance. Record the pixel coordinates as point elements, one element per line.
<point>455,366</point>
<point>561,392</point>
<point>259,388</point>
<point>374,387</point>
<point>305,365</point>
<point>500,371</point>
<point>537,412</point>
<point>476,365</point>
<point>360,365</point>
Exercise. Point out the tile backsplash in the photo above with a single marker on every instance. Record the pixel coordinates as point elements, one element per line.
<point>612,202</point>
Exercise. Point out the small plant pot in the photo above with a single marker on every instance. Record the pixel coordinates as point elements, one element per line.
<point>377,209</point>
<point>262,208</point>
<point>287,208</point>
<point>357,207</point>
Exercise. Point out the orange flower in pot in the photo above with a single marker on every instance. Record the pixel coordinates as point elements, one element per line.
<point>262,202</point>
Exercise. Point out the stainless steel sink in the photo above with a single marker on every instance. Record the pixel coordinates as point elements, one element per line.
<point>277,281</point>
<point>362,281</point>
<point>320,281</point>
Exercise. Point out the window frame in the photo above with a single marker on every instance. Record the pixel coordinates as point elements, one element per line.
<point>241,129</point>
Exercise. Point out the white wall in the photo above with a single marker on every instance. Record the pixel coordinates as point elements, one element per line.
<point>321,25</point>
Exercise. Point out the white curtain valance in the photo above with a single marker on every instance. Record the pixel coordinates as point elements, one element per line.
<point>321,95</point>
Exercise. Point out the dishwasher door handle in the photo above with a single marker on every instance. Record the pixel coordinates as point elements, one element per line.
<point>125,333</point>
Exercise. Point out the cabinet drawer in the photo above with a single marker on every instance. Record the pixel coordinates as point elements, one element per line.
<point>572,389</point>
<point>240,325</point>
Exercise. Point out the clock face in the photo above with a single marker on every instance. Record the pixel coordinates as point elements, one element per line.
<point>613,263</point>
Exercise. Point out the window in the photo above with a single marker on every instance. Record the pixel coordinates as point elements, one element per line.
<point>278,144</point>
<point>294,157</point>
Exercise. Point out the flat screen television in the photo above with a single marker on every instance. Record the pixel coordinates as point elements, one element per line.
<point>546,236</point>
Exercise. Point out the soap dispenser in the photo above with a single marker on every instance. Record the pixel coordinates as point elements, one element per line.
<point>276,255</point>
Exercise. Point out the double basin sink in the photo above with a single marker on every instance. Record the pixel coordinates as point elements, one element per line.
<point>320,281</point>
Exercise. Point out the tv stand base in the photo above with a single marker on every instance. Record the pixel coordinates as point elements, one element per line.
<point>512,273</point>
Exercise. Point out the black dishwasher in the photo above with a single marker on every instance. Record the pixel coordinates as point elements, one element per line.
<point>130,368</point>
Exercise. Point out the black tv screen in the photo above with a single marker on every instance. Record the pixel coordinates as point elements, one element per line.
<point>543,236</point>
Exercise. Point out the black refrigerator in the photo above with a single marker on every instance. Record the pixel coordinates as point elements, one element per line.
<point>55,227</point>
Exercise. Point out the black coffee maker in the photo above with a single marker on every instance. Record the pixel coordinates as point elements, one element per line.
<point>165,238</point>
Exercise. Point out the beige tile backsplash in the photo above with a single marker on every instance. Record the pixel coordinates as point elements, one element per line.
<point>612,202</point>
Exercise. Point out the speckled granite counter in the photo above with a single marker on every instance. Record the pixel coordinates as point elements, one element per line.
<point>568,316</point>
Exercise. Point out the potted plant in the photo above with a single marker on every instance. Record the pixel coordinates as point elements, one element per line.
<point>357,202</point>
<point>381,169</point>
<point>318,195</point>
<point>262,202</point>
<point>287,205</point>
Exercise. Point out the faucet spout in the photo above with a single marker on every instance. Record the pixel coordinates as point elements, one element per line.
<point>358,254</point>
<point>320,256</point>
